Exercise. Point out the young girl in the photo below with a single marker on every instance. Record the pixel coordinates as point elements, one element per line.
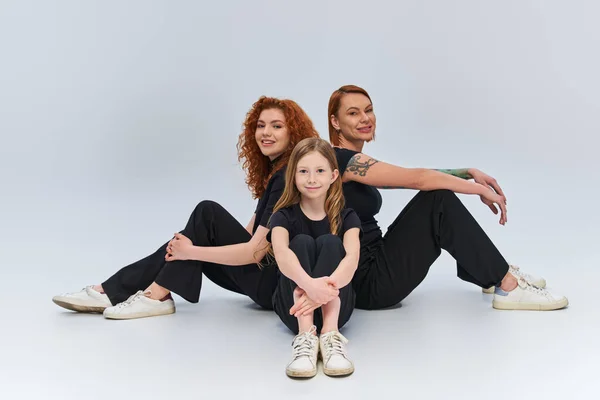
<point>213,243</point>
<point>316,243</point>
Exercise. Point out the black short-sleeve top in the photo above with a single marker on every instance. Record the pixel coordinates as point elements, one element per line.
<point>364,199</point>
<point>267,202</point>
<point>296,222</point>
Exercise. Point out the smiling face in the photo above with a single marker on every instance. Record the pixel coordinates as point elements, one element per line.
<point>355,119</point>
<point>271,133</point>
<point>314,175</point>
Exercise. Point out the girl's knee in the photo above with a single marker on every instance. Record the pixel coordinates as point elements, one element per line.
<point>302,241</point>
<point>329,240</point>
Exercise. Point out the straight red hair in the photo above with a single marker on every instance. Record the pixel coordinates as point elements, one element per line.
<point>335,101</point>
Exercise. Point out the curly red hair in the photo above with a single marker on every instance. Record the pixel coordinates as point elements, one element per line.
<point>258,166</point>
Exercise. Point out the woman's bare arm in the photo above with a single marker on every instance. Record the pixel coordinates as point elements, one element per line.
<point>250,252</point>
<point>251,224</point>
<point>462,173</point>
<point>369,171</point>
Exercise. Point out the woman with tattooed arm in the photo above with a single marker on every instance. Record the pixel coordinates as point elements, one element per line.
<point>391,266</point>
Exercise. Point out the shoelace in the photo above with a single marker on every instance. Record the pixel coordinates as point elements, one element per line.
<point>303,345</point>
<point>131,299</point>
<point>532,288</point>
<point>333,343</point>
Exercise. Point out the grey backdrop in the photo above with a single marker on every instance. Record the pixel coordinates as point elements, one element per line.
<point>118,117</point>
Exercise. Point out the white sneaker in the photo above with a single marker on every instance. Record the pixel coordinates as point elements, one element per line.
<point>516,271</point>
<point>87,300</point>
<point>528,297</point>
<point>304,356</point>
<point>140,306</point>
<point>335,360</point>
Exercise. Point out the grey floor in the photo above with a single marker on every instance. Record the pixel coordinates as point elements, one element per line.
<point>444,342</point>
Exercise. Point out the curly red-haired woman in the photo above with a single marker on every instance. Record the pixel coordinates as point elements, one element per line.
<point>213,243</point>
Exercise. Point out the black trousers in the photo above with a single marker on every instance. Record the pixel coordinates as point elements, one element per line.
<point>393,266</point>
<point>209,225</point>
<point>319,258</point>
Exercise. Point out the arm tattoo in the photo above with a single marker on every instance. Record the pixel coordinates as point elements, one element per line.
<point>462,173</point>
<point>360,167</point>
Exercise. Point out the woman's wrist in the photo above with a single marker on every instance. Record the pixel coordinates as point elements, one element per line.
<point>194,253</point>
<point>481,189</point>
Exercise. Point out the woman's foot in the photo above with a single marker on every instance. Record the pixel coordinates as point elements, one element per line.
<point>516,271</point>
<point>87,300</point>
<point>141,305</point>
<point>527,297</point>
<point>304,356</point>
<point>333,353</point>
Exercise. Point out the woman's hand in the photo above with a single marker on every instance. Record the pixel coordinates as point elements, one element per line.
<point>179,248</point>
<point>484,179</point>
<point>491,198</point>
<point>303,305</point>
<point>321,290</point>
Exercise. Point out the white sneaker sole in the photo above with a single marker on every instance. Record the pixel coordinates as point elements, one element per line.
<point>500,305</point>
<point>338,372</point>
<point>541,284</point>
<point>137,315</point>
<point>333,371</point>
<point>79,307</point>
<point>300,374</point>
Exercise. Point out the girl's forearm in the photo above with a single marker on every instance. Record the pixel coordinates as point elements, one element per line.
<point>345,271</point>
<point>290,267</point>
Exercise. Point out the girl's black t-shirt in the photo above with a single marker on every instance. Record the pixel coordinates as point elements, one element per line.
<point>364,199</point>
<point>295,222</point>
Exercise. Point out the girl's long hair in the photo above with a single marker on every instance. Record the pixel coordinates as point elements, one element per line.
<point>257,166</point>
<point>334,201</point>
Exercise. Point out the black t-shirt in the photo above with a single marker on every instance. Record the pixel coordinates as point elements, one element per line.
<point>364,199</point>
<point>267,202</point>
<point>295,222</point>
